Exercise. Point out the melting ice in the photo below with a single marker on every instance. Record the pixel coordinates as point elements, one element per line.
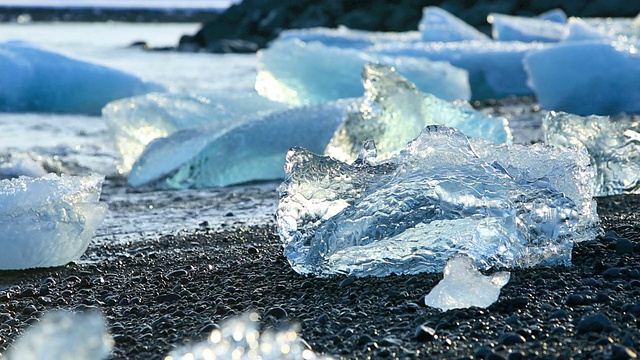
<point>439,197</point>
<point>48,221</point>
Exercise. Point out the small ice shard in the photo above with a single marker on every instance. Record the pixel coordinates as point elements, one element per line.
<point>64,335</point>
<point>495,67</point>
<point>613,146</point>
<point>393,112</point>
<point>343,37</point>
<point>436,199</point>
<point>48,221</point>
<point>439,25</point>
<point>463,286</point>
<point>586,78</point>
<point>37,80</point>
<point>240,338</point>
<point>525,29</point>
<point>248,148</point>
<point>301,73</point>
<point>135,122</point>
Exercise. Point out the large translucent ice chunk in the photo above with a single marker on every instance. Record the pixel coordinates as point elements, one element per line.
<point>48,221</point>
<point>464,286</point>
<point>344,37</point>
<point>495,67</point>
<point>586,78</point>
<point>37,80</point>
<point>64,335</point>
<point>135,122</point>
<point>526,29</point>
<point>439,25</point>
<point>243,149</point>
<point>393,112</point>
<point>301,73</point>
<point>436,199</point>
<point>613,146</point>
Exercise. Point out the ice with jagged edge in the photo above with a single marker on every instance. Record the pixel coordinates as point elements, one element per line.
<point>439,197</point>
<point>243,149</point>
<point>526,29</point>
<point>302,73</point>
<point>64,335</point>
<point>439,25</point>
<point>37,80</point>
<point>240,337</point>
<point>463,286</point>
<point>613,147</point>
<point>48,221</point>
<point>393,112</point>
<point>343,37</point>
<point>135,122</point>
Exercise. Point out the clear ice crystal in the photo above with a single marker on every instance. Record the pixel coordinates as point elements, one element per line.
<point>62,335</point>
<point>393,112</point>
<point>301,73</point>
<point>48,221</point>
<point>439,25</point>
<point>439,197</point>
<point>463,286</point>
<point>525,29</point>
<point>613,147</point>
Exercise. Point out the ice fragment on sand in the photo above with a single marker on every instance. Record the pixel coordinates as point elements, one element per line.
<point>439,25</point>
<point>243,149</point>
<point>437,198</point>
<point>135,122</point>
<point>343,37</point>
<point>613,146</point>
<point>240,337</point>
<point>37,80</point>
<point>464,286</point>
<point>393,112</point>
<point>311,73</point>
<point>48,221</point>
<point>64,335</point>
<point>526,29</point>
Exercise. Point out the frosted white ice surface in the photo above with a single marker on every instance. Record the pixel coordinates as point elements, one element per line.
<point>38,80</point>
<point>135,122</point>
<point>48,221</point>
<point>21,164</point>
<point>439,25</point>
<point>613,147</point>
<point>343,37</point>
<point>437,198</point>
<point>463,286</point>
<point>240,338</point>
<point>301,73</point>
<point>525,29</point>
<point>248,148</point>
<point>393,112</point>
<point>62,335</point>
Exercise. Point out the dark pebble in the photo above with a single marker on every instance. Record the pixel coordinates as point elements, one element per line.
<point>494,356</point>
<point>277,313</point>
<point>424,333</point>
<point>620,352</point>
<point>594,323</point>
<point>348,281</point>
<point>511,339</point>
<point>519,302</point>
<point>29,309</point>
<point>323,319</point>
<point>613,272</point>
<point>575,300</point>
<point>390,342</point>
<point>365,339</point>
<point>168,298</point>
<point>624,246</point>
<point>177,273</point>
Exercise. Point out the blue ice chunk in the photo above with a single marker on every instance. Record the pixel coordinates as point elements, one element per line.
<point>344,37</point>
<point>301,73</point>
<point>584,78</point>
<point>555,15</point>
<point>248,148</point>
<point>37,80</point>
<point>393,112</point>
<point>439,25</point>
<point>525,29</point>
<point>436,199</point>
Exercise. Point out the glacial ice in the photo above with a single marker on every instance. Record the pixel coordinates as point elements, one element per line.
<point>240,338</point>
<point>555,15</point>
<point>48,221</point>
<point>463,286</point>
<point>301,73</point>
<point>343,37</point>
<point>613,147</point>
<point>525,29</point>
<point>37,80</point>
<point>247,148</point>
<point>393,112</point>
<point>64,335</point>
<point>439,25</point>
<point>135,122</point>
<point>439,197</point>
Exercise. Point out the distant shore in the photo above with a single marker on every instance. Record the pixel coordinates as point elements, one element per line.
<point>21,14</point>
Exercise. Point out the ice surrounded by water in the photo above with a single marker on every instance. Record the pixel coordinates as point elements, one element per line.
<point>135,122</point>
<point>439,25</point>
<point>48,221</point>
<point>526,29</point>
<point>464,286</point>
<point>247,148</point>
<point>343,37</point>
<point>38,80</point>
<point>511,206</point>
<point>393,112</point>
<point>613,146</point>
<point>301,73</point>
<point>64,335</point>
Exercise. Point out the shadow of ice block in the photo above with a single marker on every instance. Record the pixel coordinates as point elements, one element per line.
<point>440,25</point>
<point>439,197</point>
